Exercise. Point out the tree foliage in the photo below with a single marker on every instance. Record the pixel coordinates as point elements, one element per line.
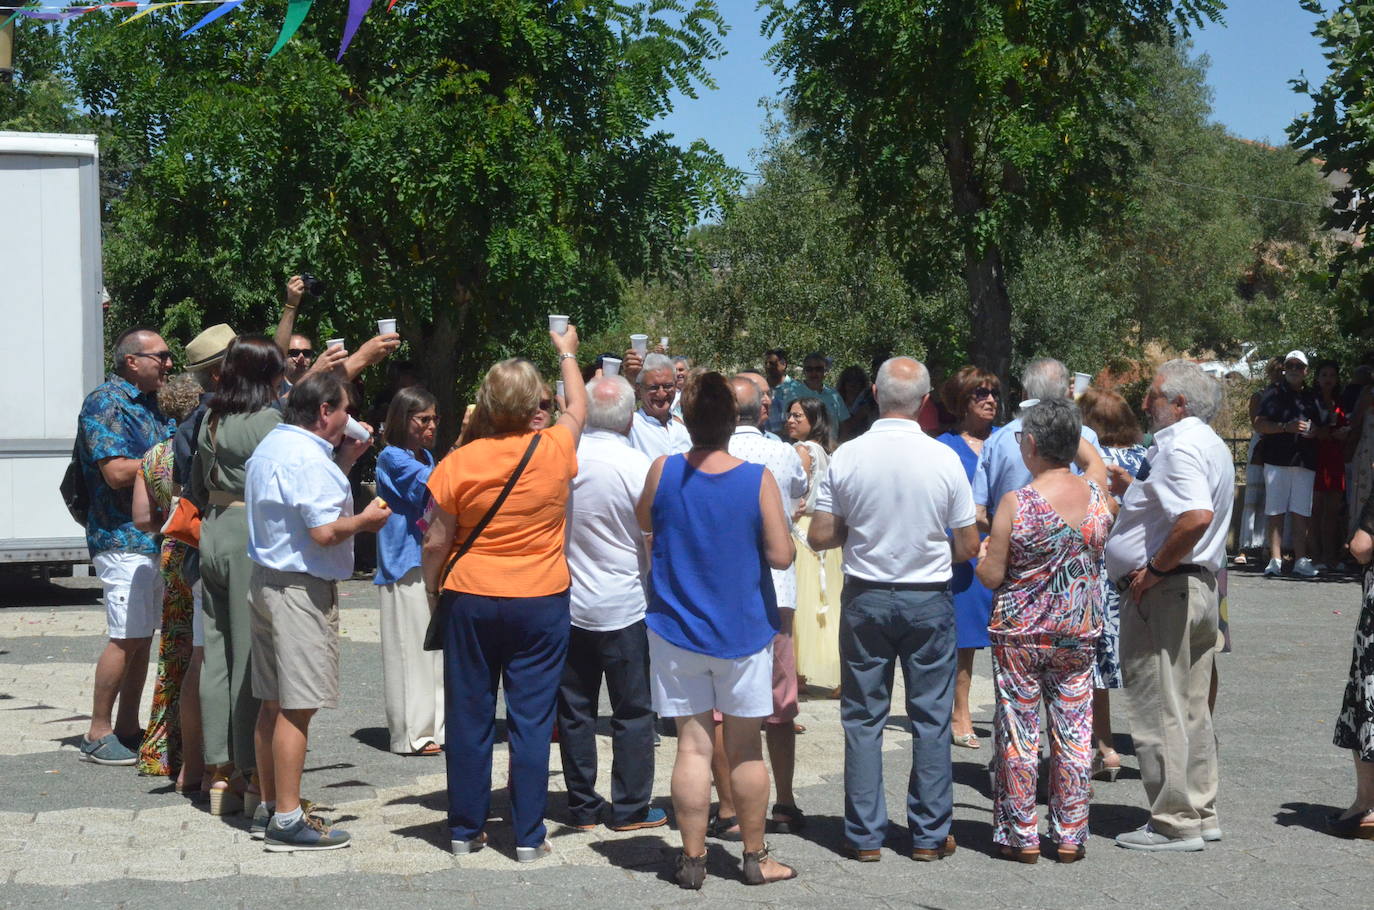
<point>962,123</point>
<point>468,167</point>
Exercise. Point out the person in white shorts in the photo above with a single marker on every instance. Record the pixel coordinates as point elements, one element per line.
<point>119,422</point>
<point>1286,419</point>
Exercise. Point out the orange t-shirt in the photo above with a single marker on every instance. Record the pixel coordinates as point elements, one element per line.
<point>520,554</point>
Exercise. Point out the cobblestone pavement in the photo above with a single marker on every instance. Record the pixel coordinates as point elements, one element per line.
<point>95,836</point>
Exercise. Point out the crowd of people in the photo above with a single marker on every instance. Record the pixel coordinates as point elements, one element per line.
<point>705,545</point>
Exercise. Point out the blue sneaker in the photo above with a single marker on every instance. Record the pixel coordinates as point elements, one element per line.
<point>308,833</point>
<point>653,818</point>
<point>107,750</point>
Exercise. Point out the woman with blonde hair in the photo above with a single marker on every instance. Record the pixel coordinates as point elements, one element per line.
<point>497,582</point>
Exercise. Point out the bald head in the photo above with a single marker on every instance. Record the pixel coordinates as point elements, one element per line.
<point>748,401</point>
<point>611,404</point>
<point>902,385</point>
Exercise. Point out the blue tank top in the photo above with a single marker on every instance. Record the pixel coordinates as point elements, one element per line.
<point>711,591</point>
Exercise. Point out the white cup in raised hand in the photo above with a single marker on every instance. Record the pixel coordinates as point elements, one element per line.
<point>386,326</point>
<point>663,342</point>
<point>334,343</point>
<point>610,366</point>
<point>355,430</point>
<point>558,324</point>
<point>640,343</point>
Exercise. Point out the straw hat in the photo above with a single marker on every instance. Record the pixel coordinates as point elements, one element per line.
<point>209,346</point>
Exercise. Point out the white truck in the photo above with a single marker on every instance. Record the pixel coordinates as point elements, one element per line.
<point>52,349</point>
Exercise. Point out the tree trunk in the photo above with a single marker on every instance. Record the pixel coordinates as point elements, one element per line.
<point>437,354</point>
<point>989,305</point>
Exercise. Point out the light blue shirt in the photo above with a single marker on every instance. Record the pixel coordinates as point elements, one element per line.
<point>294,485</point>
<point>401,482</point>
<point>1001,468</point>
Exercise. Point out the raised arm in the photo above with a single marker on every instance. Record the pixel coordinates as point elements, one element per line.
<point>574,416</point>
<point>295,288</point>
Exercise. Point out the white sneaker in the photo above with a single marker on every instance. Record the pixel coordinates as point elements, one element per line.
<point>1147,838</point>
<point>1274,569</point>
<point>1211,835</point>
<point>1305,568</point>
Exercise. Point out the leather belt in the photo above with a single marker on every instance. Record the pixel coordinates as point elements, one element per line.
<point>863,584</point>
<point>1183,568</point>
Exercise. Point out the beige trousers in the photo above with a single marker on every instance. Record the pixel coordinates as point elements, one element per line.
<point>1167,648</point>
<point>412,678</point>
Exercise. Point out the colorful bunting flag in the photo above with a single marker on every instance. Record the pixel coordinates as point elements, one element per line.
<point>357,10</point>
<point>295,15</point>
<point>211,16</point>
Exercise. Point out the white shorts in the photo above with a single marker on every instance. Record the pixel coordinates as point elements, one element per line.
<point>133,593</point>
<point>197,618</point>
<point>686,683</point>
<point>1288,489</point>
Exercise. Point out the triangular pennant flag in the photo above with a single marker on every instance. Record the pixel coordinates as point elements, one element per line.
<point>15,15</point>
<point>295,15</point>
<point>357,10</point>
<point>222,9</point>
<point>154,8</point>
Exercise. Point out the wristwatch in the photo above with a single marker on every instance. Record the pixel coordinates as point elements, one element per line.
<point>1150,567</point>
<point>566,355</point>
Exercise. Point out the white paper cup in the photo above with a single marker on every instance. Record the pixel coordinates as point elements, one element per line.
<point>386,326</point>
<point>355,430</point>
<point>610,366</point>
<point>558,324</point>
<point>558,388</point>
<point>640,343</point>
<point>663,342</point>
<point>333,342</point>
<point>1081,381</point>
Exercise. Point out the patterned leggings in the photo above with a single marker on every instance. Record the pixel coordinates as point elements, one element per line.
<point>1064,677</point>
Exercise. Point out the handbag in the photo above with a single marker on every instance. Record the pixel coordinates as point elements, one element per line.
<point>434,632</point>
<point>183,523</point>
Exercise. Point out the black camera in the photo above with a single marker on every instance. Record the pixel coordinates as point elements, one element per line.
<point>314,286</point>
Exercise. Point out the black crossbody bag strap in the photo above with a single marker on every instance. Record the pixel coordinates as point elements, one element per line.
<point>434,634</point>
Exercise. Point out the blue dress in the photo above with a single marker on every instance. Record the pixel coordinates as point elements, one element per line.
<point>972,601</point>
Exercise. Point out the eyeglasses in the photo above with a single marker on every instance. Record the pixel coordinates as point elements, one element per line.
<point>545,405</point>
<point>425,421</point>
<point>300,352</point>
<point>164,356</point>
<point>1295,365</point>
<point>815,368</point>
<point>1018,434</point>
<point>984,392</point>
<point>661,387</point>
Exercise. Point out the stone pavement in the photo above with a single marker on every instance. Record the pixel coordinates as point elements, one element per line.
<point>95,836</point>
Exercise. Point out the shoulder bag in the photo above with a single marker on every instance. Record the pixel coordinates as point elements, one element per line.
<point>434,634</point>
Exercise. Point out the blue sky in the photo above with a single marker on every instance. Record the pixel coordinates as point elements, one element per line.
<point>1262,45</point>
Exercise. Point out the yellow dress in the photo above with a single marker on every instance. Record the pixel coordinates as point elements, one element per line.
<point>820,578</point>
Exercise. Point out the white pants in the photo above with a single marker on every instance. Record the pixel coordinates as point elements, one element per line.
<point>412,678</point>
<point>132,588</point>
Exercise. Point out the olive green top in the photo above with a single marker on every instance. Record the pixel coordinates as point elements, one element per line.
<point>222,462</point>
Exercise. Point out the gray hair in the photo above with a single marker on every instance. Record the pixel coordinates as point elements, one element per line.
<point>611,402</point>
<point>128,344</point>
<point>1045,378</point>
<point>1056,426</point>
<point>652,364</point>
<point>1201,393</point>
<point>901,394</point>
<point>748,400</point>
<point>682,358</point>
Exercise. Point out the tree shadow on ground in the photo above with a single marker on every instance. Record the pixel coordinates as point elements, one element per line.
<point>1312,816</point>
<point>27,593</point>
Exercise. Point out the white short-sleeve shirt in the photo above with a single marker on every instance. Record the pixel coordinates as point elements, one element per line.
<point>605,546</point>
<point>655,438</point>
<point>783,462</point>
<point>898,491</point>
<point>1190,470</point>
<point>294,485</point>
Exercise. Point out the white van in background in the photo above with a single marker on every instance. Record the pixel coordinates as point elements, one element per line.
<point>52,350</point>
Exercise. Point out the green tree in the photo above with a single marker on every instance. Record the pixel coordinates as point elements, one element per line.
<point>962,123</point>
<point>468,167</point>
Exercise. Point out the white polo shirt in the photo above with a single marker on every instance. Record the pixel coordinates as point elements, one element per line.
<point>294,485</point>
<point>1190,469</point>
<point>783,462</point>
<point>897,490</point>
<point>605,547</point>
<point>655,438</point>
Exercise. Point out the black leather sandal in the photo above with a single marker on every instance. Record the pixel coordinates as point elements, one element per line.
<point>794,821</point>
<point>691,871</point>
<point>719,827</point>
<point>753,868</point>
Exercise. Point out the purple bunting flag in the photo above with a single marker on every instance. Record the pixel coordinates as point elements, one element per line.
<point>357,11</point>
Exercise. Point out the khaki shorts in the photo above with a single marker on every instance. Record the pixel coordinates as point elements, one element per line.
<point>295,619</point>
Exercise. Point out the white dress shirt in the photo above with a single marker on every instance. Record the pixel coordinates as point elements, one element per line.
<point>783,462</point>
<point>1190,469</point>
<point>655,438</point>
<point>294,485</point>
<point>897,490</point>
<point>605,547</point>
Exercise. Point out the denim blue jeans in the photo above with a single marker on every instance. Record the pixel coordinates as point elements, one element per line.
<point>880,628</point>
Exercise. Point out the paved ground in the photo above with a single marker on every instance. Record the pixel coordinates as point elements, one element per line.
<point>90,836</point>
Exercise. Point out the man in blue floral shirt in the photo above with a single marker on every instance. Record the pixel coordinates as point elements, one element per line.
<point>120,421</point>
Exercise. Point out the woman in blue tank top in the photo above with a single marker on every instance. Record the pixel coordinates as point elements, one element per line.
<point>718,526</point>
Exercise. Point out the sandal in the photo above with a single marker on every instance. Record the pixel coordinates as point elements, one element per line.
<point>1103,771</point>
<point>429,748</point>
<point>1070,853</point>
<point>1027,855</point>
<point>966,740</point>
<point>723,827</point>
<point>793,819</point>
<point>753,868</point>
<point>691,871</point>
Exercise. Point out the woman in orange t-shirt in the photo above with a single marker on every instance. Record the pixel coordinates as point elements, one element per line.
<point>504,604</point>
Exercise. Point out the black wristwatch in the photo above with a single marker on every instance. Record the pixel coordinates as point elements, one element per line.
<point>1150,567</point>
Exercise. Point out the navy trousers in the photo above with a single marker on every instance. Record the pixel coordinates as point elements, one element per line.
<point>521,643</point>
<point>622,657</point>
<point>878,630</point>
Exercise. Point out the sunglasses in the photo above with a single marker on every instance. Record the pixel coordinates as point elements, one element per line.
<point>425,421</point>
<point>164,356</point>
<point>545,405</point>
<point>984,392</point>
<point>300,352</point>
<point>1295,365</point>
<point>1018,435</point>
<point>813,369</point>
